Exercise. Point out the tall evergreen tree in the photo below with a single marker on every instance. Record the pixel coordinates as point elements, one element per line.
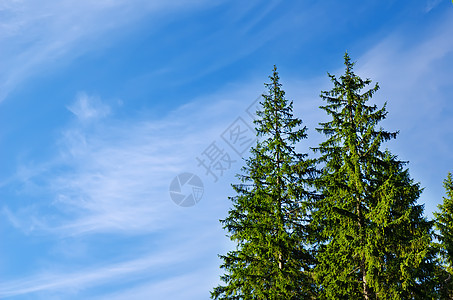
<point>373,234</point>
<point>269,217</point>
<point>444,225</point>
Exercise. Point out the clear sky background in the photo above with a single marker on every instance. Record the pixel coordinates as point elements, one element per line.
<point>103,103</point>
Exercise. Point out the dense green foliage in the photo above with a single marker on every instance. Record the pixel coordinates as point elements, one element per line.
<point>269,213</point>
<point>353,229</point>
<point>373,234</point>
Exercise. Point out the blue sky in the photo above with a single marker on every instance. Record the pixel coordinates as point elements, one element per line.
<point>103,103</point>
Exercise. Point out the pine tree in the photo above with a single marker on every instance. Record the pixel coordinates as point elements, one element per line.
<point>444,225</point>
<point>269,217</point>
<point>374,237</point>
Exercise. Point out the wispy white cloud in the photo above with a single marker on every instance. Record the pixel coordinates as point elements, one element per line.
<point>38,36</point>
<point>88,108</point>
<point>192,286</point>
<point>245,29</point>
<point>67,283</point>
<point>113,175</point>
<point>410,61</point>
<point>431,4</point>
<point>415,77</point>
<point>413,73</point>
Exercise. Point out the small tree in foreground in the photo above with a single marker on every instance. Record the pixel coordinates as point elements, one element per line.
<point>269,217</point>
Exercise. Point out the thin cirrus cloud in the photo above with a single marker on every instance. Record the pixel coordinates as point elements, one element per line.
<point>187,286</point>
<point>35,36</point>
<point>62,283</point>
<point>115,180</point>
<point>113,175</point>
<point>118,173</point>
<point>414,75</point>
<point>87,108</point>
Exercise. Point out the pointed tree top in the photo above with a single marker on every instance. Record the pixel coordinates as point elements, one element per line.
<point>448,185</point>
<point>348,63</point>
